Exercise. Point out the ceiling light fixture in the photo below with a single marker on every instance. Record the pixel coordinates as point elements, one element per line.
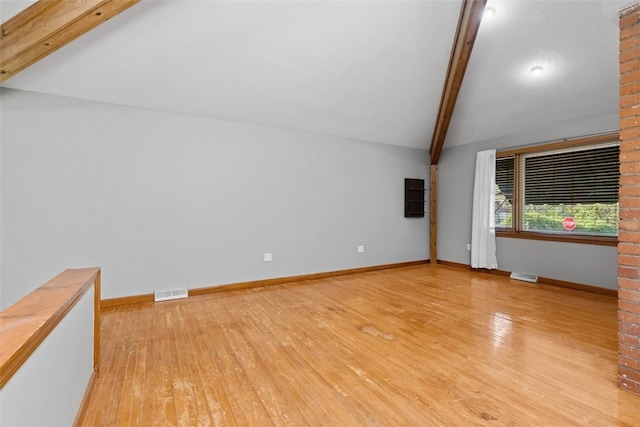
<point>537,70</point>
<point>489,12</point>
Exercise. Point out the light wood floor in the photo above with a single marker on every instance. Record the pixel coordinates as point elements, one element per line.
<point>425,345</point>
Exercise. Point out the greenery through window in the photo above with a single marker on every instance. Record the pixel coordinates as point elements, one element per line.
<point>561,190</point>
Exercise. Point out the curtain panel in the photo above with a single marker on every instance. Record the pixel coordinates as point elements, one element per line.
<point>483,230</point>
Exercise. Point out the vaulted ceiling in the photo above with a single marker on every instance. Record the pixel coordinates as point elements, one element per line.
<point>366,70</point>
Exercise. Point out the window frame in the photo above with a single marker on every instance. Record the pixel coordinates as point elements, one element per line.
<point>514,231</point>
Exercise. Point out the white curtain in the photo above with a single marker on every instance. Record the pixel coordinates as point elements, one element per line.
<point>483,223</point>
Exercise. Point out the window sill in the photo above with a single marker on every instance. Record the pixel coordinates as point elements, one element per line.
<point>584,239</point>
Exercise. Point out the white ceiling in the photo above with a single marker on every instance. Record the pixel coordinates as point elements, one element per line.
<point>9,8</point>
<point>367,70</point>
<point>575,43</point>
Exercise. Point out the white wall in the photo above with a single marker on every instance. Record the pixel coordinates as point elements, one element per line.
<point>160,200</point>
<point>48,388</point>
<point>579,263</point>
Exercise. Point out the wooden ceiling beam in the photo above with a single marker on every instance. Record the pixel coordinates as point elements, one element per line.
<point>46,26</point>
<point>468,25</point>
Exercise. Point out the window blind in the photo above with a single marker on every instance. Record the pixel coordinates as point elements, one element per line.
<point>504,176</point>
<point>572,176</point>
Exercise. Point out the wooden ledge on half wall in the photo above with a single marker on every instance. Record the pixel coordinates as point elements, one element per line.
<point>25,324</point>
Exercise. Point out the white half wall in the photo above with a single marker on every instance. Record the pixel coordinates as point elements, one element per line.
<point>48,388</point>
<point>160,200</point>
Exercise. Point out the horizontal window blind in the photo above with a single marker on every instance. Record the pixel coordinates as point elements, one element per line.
<point>574,176</point>
<point>504,195</point>
<point>504,176</point>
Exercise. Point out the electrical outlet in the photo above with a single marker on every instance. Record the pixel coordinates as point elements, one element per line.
<point>468,246</point>
<point>268,257</point>
<point>360,248</point>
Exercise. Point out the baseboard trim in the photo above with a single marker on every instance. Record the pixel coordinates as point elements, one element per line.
<point>543,280</point>
<point>135,299</point>
<point>82,410</point>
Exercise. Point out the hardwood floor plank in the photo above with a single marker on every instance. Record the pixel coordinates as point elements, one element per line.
<point>421,345</point>
<point>318,398</point>
<point>300,348</point>
<point>167,367</point>
<point>160,384</point>
<point>247,406</point>
<point>354,362</point>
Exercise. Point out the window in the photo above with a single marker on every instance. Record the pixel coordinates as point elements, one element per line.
<point>563,191</point>
<point>504,191</point>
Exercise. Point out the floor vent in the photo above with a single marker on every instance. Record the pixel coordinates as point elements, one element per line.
<point>527,277</point>
<point>170,294</point>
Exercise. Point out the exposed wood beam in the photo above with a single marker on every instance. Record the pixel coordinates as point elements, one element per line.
<point>46,26</point>
<point>468,25</point>
<point>433,215</point>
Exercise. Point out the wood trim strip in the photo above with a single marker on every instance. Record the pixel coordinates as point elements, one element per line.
<point>133,299</point>
<point>518,189</point>
<point>587,240</point>
<point>566,143</point>
<point>96,323</point>
<point>291,279</point>
<point>46,26</point>
<point>433,214</point>
<point>468,25</point>
<point>112,302</point>
<point>541,280</point>
<point>26,324</point>
<point>84,405</point>
<point>579,287</point>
